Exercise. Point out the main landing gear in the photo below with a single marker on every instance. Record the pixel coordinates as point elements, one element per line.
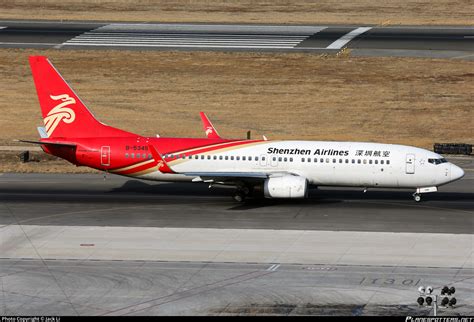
<point>241,194</point>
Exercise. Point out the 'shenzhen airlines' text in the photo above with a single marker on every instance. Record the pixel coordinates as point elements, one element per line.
<point>308,151</point>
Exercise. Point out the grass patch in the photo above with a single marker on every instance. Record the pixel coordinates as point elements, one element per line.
<point>283,96</point>
<point>439,12</point>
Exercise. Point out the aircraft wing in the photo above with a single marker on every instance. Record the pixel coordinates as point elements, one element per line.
<point>224,176</point>
<point>232,177</point>
<point>210,130</point>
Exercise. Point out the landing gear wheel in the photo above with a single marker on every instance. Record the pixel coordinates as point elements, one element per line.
<point>417,197</point>
<point>239,197</point>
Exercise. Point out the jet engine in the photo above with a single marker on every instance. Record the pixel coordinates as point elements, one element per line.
<point>287,186</point>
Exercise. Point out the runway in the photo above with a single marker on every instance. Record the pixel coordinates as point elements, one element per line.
<point>421,41</point>
<point>34,198</point>
<point>82,245</point>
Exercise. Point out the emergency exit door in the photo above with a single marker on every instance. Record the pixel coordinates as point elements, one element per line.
<point>410,164</point>
<point>105,155</point>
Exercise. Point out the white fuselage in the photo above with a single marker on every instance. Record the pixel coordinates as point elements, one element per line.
<point>325,163</point>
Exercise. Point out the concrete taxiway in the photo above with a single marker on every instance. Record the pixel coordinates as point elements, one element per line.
<point>367,40</point>
<point>82,245</point>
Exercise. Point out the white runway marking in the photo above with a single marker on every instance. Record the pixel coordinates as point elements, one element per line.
<point>273,268</point>
<point>202,36</point>
<point>2,27</point>
<point>338,44</point>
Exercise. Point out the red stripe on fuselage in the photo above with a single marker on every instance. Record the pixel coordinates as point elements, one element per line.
<point>211,148</point>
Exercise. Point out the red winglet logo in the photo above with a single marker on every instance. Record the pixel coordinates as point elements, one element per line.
<point>210,130</point>
<point>160,162</point>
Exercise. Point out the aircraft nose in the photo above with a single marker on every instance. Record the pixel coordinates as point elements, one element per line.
<point>456,172</point>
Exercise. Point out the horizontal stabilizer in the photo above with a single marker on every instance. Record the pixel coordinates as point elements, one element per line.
<point>48,143</point>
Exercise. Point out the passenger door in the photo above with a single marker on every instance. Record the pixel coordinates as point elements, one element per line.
<point>410,164</point>
<point>105,155</point>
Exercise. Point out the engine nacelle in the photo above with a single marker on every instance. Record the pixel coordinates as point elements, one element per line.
<point>287,186</point>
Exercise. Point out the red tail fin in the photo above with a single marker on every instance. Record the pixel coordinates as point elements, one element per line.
<point>64,113</point>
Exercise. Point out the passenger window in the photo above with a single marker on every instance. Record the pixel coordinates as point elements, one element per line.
<point>196,157</point>
<point>353,161</point>
<point>302,159</point>
<point>347,160</point>
<point>381,161</point>
<point>250,159</point>
<point>227,157</point>
<point>220,157</point>
<point>232,158</point>
<point>215,157</point>
<point>263,158</point>
<point>237,158</point>
<point>256,159</point>
<point>340,160</point>
<point>285,159</point>
<point>132,155</point>
<point>365,161</point>
<point>209,157</point>
<point>327,160</point>
<point>274,158</point>
<point>388,161</point>
<point>309,159</point>
<point>291,159</point>
<point>358,161</point>
<point>243,158</point>
<point>321,160</point>
<point>126,155</point>
<point>376,161</point>
<point>333,160</point>
<point>279,159</point>
<point>315,160</point>
<point>202,157</point>
<point>143,155</point>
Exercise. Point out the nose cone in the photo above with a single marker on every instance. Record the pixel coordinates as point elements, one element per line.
<point>456,172</point>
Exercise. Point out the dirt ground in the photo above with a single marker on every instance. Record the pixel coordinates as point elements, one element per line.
<point>283,96</point>
<point>394,12</point>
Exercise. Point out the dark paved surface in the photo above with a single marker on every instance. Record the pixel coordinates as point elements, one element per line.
<point>421,41</point>
<point>88,200</point>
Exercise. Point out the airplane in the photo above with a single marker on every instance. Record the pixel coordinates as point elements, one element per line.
<point>272,168</point>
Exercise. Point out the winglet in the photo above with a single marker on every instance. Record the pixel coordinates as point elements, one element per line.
<point>211,132</point>
<point>161,163</point>
<point>42,132</point>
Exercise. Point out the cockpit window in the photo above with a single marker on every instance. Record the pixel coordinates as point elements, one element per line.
<point>437,161</point>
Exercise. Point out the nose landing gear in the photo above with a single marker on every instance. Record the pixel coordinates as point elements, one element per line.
<point>419,191</point>
<point>417,197</point>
